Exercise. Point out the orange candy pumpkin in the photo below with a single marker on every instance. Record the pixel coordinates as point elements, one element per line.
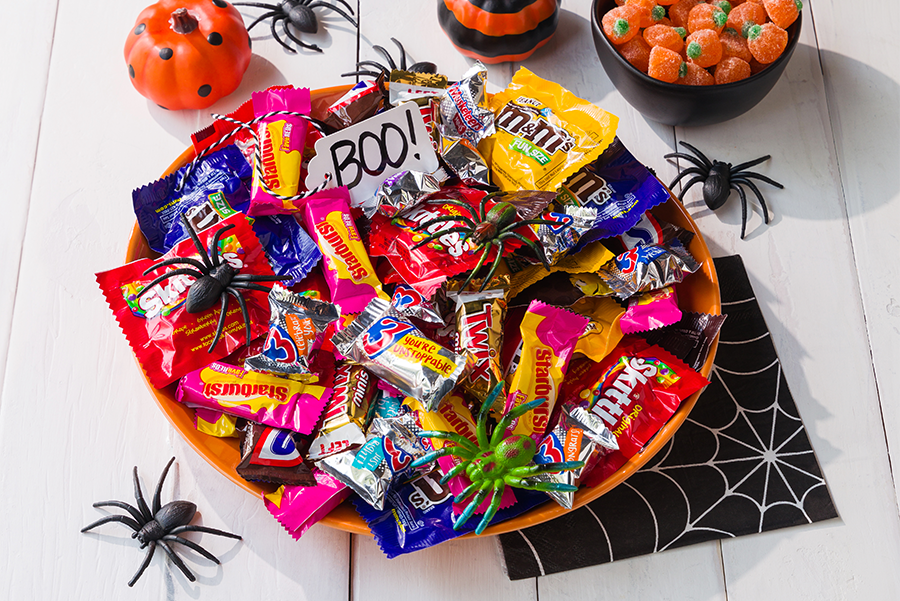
<point>187,54</point>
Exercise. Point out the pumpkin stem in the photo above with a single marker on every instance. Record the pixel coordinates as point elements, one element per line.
<point>183,22</point>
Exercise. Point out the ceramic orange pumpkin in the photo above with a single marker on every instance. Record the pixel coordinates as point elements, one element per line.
<point>496,31</point>
<point>187,54</point>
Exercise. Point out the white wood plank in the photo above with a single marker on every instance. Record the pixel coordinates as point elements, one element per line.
<point>21,106</point>
<point>805,280</point>
<point>467,569</point>
<point>862,84</point>
<point>71,375</point>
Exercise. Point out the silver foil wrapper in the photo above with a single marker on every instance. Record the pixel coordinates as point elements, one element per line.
<point>407,189</point>
<point>462,113</point>
<point>295,322</point>
<point>363,469</point>
<point>557,240</point>
<point>577,436</point>
<point>466,163</point>
<point>646,268</point>
<point>395,350</point>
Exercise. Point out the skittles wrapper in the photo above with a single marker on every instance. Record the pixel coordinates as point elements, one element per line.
<point>395,350</point>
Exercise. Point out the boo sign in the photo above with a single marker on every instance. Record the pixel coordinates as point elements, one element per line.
<point>362,156</point>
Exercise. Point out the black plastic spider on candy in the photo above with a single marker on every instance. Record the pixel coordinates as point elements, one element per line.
<point>215,280</point>
<point>720,178</point>
<point>420,67</point>
<point>160,527</point>
<point>298,13</point>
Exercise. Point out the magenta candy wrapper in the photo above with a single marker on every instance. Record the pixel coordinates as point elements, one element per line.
<point>261,398</point>
<point>650,311</point>
<point>299,507</point>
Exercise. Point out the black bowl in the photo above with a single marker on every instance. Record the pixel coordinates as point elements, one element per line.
<point>674,104</point>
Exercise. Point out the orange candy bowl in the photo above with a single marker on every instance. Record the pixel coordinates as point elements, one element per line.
<point>700,292</point>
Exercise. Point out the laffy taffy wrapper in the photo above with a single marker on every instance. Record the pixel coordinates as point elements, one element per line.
<point>348,269</point>
<point>215,423</point>
<point>168,341</point>
<point>297,508</point>
<point>544,133</point>
<point>603,333</point>
<point>578,436</point>
<point>549,336</point>
<point>264,399</point>
<point>634,391</point>
<point>281,139</point>
<point>395,350</point>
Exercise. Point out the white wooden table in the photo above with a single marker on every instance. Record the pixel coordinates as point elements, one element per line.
<point>75,139</point>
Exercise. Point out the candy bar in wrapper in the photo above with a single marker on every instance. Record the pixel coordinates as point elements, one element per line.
<point>479,323</point>
<point>419,514</point>
<point>462,112</point>
<point>407,301</point>
<point>549,337</point>
<point>577,437</point>
<point>405,190</point>
<point>652,230</point>
<point>395,350</point>
<point>690,338</point>
<point>297,508</point>
<point>560,238</point>
<point>645,268</point>
<point>271,455</point>
<point>370,469</point>
<point>296,325</point>
<point>464,161</point>
<point>361,102</point>
<point>261,398</point>
<point>417,87</point>
<point>345,415</point>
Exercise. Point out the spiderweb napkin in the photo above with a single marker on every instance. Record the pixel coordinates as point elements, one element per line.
<point>740,464</point>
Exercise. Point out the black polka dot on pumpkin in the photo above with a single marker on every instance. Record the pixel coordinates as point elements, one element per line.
<point>131,71</point>
<point>215,38</point>
<point>220,3</point>
<point>140,29</point>
<point>166,54</point>
<point>204,90</point>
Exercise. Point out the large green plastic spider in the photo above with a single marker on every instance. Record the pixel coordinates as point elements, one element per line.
<point>486,229</point>
<point>495,463</point>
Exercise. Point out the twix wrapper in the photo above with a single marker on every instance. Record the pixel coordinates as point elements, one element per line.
<point>479,324</point>
<point>343,425</point>
<point>549,336</point>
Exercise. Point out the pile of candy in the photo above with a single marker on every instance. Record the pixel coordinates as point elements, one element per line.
<point>696,43</point>
<point>458,288</point>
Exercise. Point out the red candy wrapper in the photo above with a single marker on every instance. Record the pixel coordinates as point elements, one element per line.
<point>167,340</point>
<point>297,508</point>
<point>635,391</point>
<point>427,267</point>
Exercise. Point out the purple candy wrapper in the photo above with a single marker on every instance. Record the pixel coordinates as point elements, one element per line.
<point>297,508</point>
<point>419,514</point>
<point>619,186</point>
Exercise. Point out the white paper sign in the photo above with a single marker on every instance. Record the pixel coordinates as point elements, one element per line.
<point>362,156</point>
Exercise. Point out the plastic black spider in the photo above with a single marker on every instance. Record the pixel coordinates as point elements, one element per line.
<point>298,13</point>
<point>720,178</point>
<point>485,229</point>
<point>420,67</point>
<point>160,527</point>
<point>216,279</point>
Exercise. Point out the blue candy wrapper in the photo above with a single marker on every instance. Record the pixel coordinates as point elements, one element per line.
<point>216,189</point>
<point>419,514</point>
<point>619,186</point>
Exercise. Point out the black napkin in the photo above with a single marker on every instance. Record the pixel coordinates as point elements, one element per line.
<point>740,464</point>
